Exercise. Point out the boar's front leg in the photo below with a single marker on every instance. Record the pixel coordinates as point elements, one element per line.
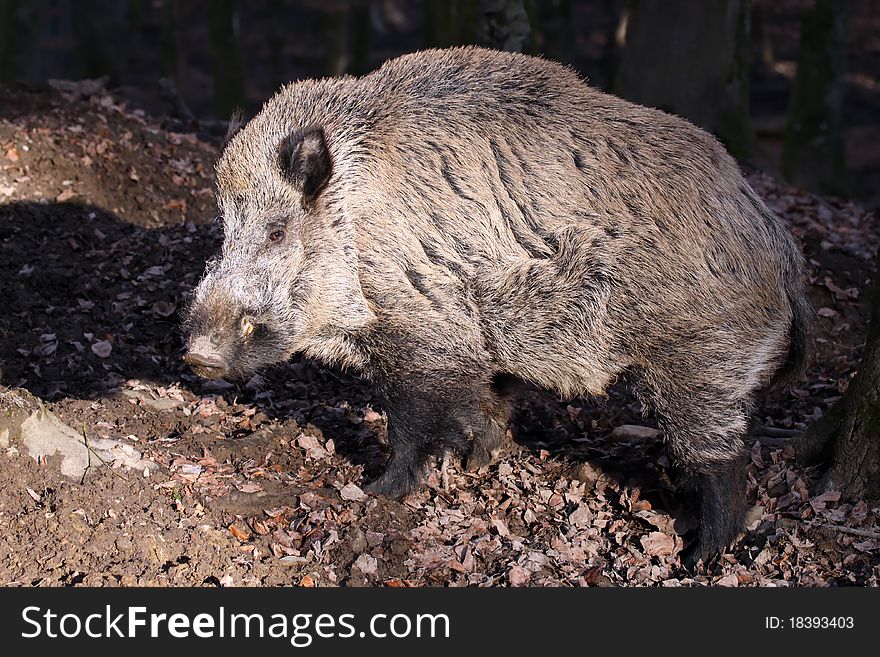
<point>409,434</point>
<point>437,387</point>
<point>424,418</point>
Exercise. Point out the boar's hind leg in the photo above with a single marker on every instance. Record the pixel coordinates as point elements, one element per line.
<point>722,489</point>
<point>490,439</point>
<point>704,437</point>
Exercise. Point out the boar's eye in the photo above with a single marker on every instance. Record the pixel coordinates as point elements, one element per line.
<point>276,236</point>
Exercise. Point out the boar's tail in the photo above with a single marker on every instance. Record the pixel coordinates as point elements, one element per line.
<point>799,333</point>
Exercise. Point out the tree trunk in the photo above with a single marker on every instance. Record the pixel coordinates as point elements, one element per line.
<point>691,59</point>
<point>762,44</point>
<point>93,60</point>
<point>170,60</point>
<point>503,24</point>
<point>813,151</point>
<point>228,70</point>
<point>553,18</point>
<point>275,42</point>
<point>848,436</point>
<point>14,36</point>
<point>617,12</point>
<point>450,22</point>
<point>334,30</point>
<point>360,25</point>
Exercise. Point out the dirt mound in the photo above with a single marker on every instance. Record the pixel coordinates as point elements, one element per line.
<point>105,224</point>
<point>94,151</point>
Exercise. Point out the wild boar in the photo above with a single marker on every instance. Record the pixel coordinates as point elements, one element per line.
<point>462,218</point>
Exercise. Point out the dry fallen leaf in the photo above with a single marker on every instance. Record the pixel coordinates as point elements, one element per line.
<point>367,564</point>
<point>634,432</point>
<point>102,348</point>
<point>371,416</point>
<point>518,576</point>
<point>352,493</point>
<point>66,194</point>
<point>240,534</point>
<point>728,580</point>
<point>582,516</point>
<point>658,544</point>
<point>307,442</point>
<point>164,308</point>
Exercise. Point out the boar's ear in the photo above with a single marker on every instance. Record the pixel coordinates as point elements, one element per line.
<point>304,160</point>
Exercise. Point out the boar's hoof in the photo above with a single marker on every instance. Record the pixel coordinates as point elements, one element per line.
<point>482,454</point>
<point>479,457</point>
<point>488,447</point>
<point>722,509</point>
<point>393,485</point>
<point>695,553</point>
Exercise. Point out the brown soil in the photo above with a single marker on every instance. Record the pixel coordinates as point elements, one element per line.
<point>105,223</point>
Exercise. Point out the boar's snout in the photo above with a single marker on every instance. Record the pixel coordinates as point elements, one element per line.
<point>205,359</point>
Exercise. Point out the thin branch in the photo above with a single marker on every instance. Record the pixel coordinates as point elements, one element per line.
<point>862,533</point>
<point>88,453</point>
<point>774,432</point>
<point>91,451</point>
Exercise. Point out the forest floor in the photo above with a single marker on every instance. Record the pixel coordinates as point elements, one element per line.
<point>105,224</point>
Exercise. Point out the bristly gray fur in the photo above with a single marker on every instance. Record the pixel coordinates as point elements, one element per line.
<point>489,214</point>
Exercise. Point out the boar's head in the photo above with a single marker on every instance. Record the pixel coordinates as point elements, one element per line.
<point>286,279</point>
